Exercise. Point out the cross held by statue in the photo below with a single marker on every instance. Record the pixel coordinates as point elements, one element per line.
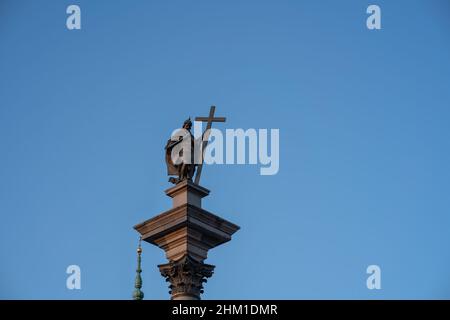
<point>209,120</point>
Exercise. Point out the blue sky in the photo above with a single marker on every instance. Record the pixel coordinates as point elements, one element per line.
<point>364,144</point>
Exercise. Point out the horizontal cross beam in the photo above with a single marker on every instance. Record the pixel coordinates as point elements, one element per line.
<point>206,119</point>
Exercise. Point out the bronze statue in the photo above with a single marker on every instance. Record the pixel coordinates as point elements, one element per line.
<point>184,168</point>
<point>181,168</point>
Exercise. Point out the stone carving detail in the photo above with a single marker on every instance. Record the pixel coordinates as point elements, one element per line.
<point>186,276</point>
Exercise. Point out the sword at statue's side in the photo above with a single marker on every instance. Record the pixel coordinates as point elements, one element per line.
<point>209,120</point>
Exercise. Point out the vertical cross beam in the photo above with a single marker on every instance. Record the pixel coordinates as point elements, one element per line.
<point>209,120</point>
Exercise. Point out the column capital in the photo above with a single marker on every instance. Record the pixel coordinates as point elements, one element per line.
<point>186,277</point>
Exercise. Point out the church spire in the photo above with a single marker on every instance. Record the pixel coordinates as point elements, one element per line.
<point>137,293</point>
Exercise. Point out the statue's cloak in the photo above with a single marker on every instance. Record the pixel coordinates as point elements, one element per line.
<point>175,160</point>
<point>172,170</point>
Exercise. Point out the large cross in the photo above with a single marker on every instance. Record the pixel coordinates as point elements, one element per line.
<point>209,120</point>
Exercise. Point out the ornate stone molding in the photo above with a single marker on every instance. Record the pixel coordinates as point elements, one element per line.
<point>186,277</point>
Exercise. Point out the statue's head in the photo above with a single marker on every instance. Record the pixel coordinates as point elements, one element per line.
<point>187,124</point>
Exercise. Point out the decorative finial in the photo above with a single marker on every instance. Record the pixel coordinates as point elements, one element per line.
<point>137,293</point>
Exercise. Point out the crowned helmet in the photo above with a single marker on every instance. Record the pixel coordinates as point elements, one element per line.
<point>187,123</point>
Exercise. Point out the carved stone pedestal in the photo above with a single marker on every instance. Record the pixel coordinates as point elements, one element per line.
<point>186,233</point>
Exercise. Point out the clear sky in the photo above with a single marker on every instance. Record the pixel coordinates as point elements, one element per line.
<point>364,144</point>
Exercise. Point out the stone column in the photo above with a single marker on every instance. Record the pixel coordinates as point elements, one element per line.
<point>186,232</point>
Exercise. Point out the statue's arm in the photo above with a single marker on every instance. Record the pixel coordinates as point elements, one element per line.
<point>171,143</point>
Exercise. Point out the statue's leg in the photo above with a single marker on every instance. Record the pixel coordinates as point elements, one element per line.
<point>191,171</point>
<point>182,174</point>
